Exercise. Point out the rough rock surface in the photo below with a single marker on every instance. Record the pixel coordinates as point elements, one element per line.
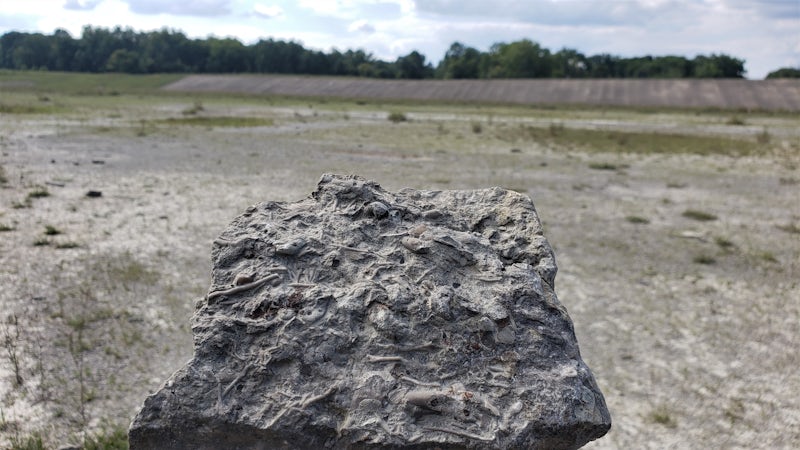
<point>360,318</point>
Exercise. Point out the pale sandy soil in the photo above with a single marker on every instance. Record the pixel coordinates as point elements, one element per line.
<point>688,354</point>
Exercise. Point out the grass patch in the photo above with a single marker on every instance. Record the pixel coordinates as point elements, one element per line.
<point>637,220</point>
<point>74,83</point>
<point>631,142</point>
<point>3,176</point>
<point>220,121</point>
<point>736,120</point>
<point>701,216</point>
<point>10,108</point>
<point>396,117</point>
<point>31,442</point>
<point>4,228</point>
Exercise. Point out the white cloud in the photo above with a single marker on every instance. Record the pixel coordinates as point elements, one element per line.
<point>181,8</point>
<point>361,26</point>
<point>267,12</point>
<point>81,5</point>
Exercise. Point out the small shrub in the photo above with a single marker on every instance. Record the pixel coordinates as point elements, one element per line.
<point>22,205</point>
<point>736,120</point>
<point>637,220</point>
<point>3,177</point>
<point>396,116</point>
<point>676,185</point>
<point>702,216</point>
<point>41,242</point>
<point>4,227</point>
<point>477,128</point>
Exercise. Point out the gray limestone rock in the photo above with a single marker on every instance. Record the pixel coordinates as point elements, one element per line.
<point>359,318</point>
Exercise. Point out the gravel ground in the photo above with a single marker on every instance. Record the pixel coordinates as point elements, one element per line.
<point>690,326</point>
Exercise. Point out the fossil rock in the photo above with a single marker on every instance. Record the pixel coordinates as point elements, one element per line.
<point>360,318</point>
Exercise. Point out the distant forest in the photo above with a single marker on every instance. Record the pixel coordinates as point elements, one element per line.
<point>165,51</point>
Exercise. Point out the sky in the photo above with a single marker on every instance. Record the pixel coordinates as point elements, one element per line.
<point>765,33</point>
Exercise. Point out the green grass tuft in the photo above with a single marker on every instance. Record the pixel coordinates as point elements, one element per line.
<point>32,442</point>
<point>701,216</point>
<point>637,220</point>
<point>704,259</point>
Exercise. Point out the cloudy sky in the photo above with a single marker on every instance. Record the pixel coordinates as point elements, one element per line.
<point>765,33</point>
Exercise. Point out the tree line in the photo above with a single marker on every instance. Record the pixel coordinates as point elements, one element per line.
<point>164,51</point>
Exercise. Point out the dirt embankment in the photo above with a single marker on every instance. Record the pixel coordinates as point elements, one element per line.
<point>766,95</point>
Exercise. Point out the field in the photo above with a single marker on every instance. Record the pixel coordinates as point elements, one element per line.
<point>676,231</point>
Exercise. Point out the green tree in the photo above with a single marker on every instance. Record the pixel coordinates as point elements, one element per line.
<point>62,51</point>
<point>227,55</point>
<point>413,66</point>
<point>568,63</point>
<point>33,52</point>
<point>718,66</point>
<point>124,61</point>
<point>785,72</point>
<point>460,61</point>
<point>521,59</point>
